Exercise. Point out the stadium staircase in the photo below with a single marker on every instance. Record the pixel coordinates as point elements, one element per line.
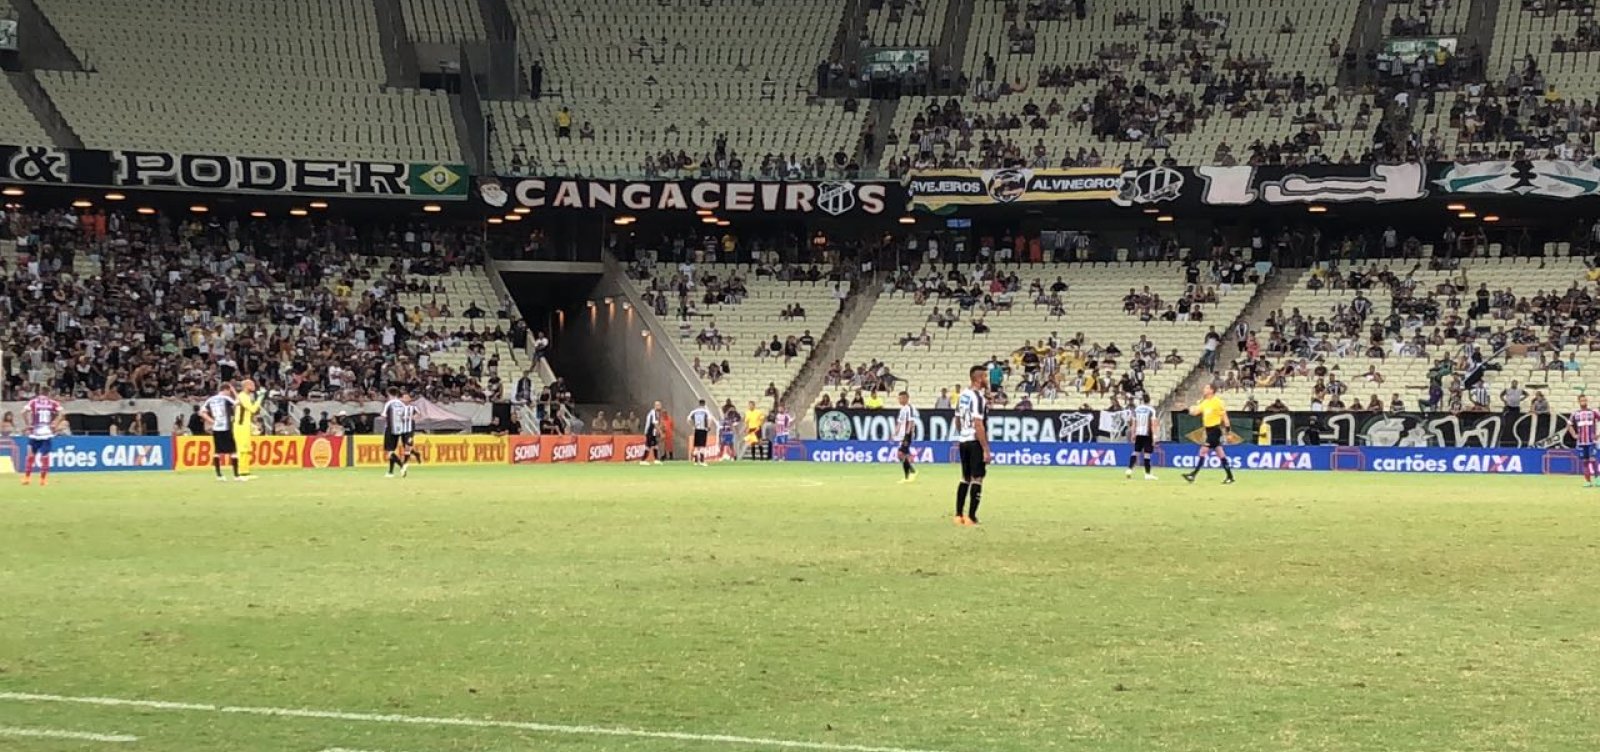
<point>806,388</point>
<point>1364,38</point>
<point>1269,297</point>
<point>399,55</point>
<point>952,47</point>
<point>1482,18</point>
<point>45,47</point>
<point>44,110</point>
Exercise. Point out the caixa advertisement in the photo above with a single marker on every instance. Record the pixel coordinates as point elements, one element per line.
<point>94,454</point>
<point>1435,460</point>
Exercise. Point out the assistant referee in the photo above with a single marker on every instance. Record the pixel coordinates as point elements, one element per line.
<point>1214,416</point>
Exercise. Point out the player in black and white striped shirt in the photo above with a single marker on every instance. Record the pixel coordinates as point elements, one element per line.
<point>399,427</point>
<point>217,413</point>
<point>905,429</point>
<point>652,435</point>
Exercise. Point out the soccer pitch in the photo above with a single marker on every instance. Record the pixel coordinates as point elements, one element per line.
<point>794,606</point>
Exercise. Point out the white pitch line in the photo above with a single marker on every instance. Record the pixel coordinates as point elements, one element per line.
<point>549,728</point>
<point>81,736</point>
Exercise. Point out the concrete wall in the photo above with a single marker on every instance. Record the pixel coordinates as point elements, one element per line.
<point>604,346</point>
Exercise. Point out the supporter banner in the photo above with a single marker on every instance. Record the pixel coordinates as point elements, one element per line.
<point>268,452</point>
<point>526,450</point>
<point>1319,184</point>
<point>1526,430</point>
<point>1548,178</point>
<point>94,454</point>
<point>318,177</point>
<point>1185,456</point>
<point>835,198</point>
<point>936,189</point>
<point>1003,425</point>
<point>435,449</point>
<point>47,164</point>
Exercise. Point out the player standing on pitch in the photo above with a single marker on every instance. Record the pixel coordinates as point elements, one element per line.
<point>1581,426</point>
<point>701,422</point>
<point>45,417</point>
<point>1214,417</point>
<point>1142,432</point>
<point>217,413</point>
<point>244,426</point>
<point>399,431</point>
<point>905,429</point>
<point>652,435</point>
<point>971,407</point>
<point>782,424</point>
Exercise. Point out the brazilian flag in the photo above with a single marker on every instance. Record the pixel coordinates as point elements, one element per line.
<point>430,180</point>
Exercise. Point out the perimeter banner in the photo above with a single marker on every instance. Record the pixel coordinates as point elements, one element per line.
<point>1003,425</point>
<point>94,454</point>
<point>437,449</point>
<point>268,452</point>
<point>1441,461</point>
<point>528,450</point>
<point>936,189</point>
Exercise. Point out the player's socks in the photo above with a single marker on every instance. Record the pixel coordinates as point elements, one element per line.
<point>216,465</point>
<point>905,465</point>
<point>961,500</point>
<point>1147,464</point>
<point>44,469</point>
<point>233,462</point>
<point>972,503</point>
<point>1227,468</point>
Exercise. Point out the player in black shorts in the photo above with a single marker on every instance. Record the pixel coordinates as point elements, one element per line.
<point>971,411</point>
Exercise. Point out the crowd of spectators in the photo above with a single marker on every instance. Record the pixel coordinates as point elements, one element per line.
<point>114,306</point>
<point>1459,328</point>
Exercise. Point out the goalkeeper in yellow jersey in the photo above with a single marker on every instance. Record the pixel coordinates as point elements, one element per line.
<point>244,425</point>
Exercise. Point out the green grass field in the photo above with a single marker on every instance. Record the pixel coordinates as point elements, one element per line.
<point>798,603</point>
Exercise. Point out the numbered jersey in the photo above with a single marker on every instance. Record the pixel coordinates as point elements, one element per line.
<point>220,407</point>
<point>43,413</point>
<point>971,407</point>
<point>1144,421</point>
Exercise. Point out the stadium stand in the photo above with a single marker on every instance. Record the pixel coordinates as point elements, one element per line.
<point>1136,80</point>
<point>730,315</point>
<point>903,23</point>
<point>443,20</point>
<point>132,308</point>
<point>17,124</point>
<point>297,78</point>
<point>1103,308</point>
<point>1400,319</point>
<point>1530,104</point>
<point>642,78</point>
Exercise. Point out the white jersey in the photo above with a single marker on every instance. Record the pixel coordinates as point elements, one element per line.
<point>1144,421</point>
<point>220,407</point>
<point>399,417</point>
<point>905,426</point>
<point>700,419</point>
<point>652,421</point>
<point>971,407</point>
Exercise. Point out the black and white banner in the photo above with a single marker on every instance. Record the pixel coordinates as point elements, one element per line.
<point>856,424</point>
<point>835,198</point>
<point>1407,429</point>
<point>1242,186</point>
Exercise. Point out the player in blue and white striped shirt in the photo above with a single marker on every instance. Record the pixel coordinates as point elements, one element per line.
<point>1142,433</point>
